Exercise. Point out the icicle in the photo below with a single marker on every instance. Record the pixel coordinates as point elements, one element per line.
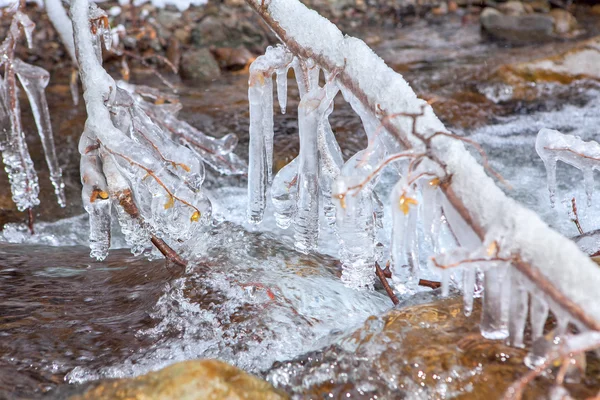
<point>260,98</point>
<point>307,75</point>
<point>282,81</point>
<point>355,227</point>
<point>538,315</point>
<point>432,213</point>
<point>284,194</point>
<point>34,80</point>
<point>518,309</point>
<point>15,155</point>
<point>95,199</point>
<point>468,288</point>
<point>330,160</point>
<point>404,234</point>
<point>311,111</point>
<point>307,222</point>
<point>588,182</point>
<point>61,22</point>
<point>27,25</point>
<point>494,316</point>
<point>106,35</point>
<point>446,274</point>
<point>74,87</point>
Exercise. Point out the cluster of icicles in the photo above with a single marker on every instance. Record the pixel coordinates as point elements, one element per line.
<point>318,189</point>
<point>553,146</point>
<point>136,163</point>
<point>15,155</point>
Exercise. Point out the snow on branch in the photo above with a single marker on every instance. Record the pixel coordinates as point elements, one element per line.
<point>439,184</point>
<point>15,155</point>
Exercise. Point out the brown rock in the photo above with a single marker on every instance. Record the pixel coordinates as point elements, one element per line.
<point>232,58</point>
<point>421,351</point>
<point>564,21</point>
<point>514,8</point>
<point>199,65</point>
<point>578,63</point>
<point>518,29</point>
<point>188,380</point>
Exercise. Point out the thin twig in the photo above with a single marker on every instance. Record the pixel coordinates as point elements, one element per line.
<point>575,218</point>
<point>30,219</point>
<point>156,178</point>
<point>429,284</point>
<point>385,284</point>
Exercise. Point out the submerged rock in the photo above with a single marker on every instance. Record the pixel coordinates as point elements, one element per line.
<point>429,351</point>
<point>517,28</point>
<point>199,379</point>
<point>579,63</point>
<point>517,23</point>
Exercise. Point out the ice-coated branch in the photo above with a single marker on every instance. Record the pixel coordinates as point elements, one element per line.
<point>129,162</point>
<point>543,264</point>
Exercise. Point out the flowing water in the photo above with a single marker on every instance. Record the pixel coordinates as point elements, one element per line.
<point>247,297</point>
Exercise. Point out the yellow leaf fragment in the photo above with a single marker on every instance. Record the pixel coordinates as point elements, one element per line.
<point>184,167</point>
<point>98,194</point>
<point>435,182</point>
<point>492,249</point>
<point>195,216</point>
<point>405,203</point>
<point>342,198</point>
<point>170,203</point>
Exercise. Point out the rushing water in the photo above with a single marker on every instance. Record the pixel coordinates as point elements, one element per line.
<point>247,296</point>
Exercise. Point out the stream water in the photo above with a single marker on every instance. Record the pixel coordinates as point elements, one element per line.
<point>247,297</point>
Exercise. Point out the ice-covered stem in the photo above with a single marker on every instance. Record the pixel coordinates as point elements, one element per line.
<point>547,259</point>
<point>565,350</point>
<point>383,279</point>
<point>100,140</point>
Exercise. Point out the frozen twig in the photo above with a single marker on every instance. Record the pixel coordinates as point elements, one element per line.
<point>129,162</point>
<point>386,285</point>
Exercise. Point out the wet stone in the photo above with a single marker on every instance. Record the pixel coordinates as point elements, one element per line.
<point>426,350</point>
<point>518,29</point>
<point>199,65</point>
<point>199,379</point>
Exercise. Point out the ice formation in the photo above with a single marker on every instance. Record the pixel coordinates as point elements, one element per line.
<point>130,161</point>
<point>553,146</point>
<point>489,241</point>
<point>15,155</point>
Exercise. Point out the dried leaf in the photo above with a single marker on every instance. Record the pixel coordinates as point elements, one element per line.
<point>435,182</point>
<point>492,249</point>
<point>406,202</point>
<point>195,216</point>
<point>170,203</point>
